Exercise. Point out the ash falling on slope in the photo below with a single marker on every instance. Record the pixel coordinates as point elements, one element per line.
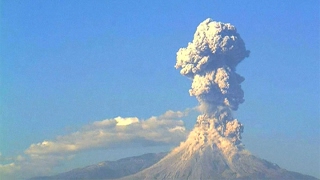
<point>213,149</point>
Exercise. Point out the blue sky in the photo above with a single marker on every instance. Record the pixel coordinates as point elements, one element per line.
<point>65,65</point>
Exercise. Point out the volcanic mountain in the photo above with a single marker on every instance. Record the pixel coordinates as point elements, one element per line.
<point>213,149</point>
<point>208,155</point>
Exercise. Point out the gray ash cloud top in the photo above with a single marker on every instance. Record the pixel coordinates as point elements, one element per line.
<point>210,60</point>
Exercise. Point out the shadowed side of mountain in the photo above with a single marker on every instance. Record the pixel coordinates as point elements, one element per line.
<point>109,169</point>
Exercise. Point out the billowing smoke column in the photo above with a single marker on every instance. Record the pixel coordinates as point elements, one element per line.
<point>213,149</point>
<point>210,60</point>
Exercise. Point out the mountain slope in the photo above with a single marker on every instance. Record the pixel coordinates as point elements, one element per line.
<point>109,169</point>
<point>210,164</point>
<point>206,154</point>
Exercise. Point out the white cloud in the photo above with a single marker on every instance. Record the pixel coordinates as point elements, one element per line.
<point>174,114</point>
<point>40,158</point>
<point>126,121</point>
<point>7,168</point>
<point>105,133</point>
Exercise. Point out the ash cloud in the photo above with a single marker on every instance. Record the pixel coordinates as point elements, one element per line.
<point>210,61</point>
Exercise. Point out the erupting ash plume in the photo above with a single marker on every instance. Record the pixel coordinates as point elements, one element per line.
<point>210,60</point>
<point>213,149</point>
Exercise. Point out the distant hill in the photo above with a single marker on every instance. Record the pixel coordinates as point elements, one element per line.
<point>108,169</point>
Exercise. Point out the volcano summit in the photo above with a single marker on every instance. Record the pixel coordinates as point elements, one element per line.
<point>213,149</point>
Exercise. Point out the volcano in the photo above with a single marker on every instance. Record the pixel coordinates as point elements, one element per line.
<point>204,156</point>
<point>213,149</point>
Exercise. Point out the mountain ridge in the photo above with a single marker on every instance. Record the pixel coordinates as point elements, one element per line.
<point>108,169</point>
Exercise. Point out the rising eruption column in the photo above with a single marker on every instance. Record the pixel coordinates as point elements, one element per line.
<point>213,149</point>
